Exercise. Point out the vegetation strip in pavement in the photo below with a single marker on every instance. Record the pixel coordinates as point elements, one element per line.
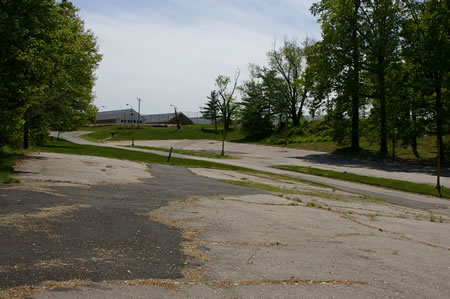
<point>375,181</point>
<point>275,189</point>
<point>188,152</point>
<point>7,161</point>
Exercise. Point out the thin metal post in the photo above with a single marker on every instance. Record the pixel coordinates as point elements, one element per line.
<point>170,154</point>
<point>139,111</point>
<point>438,183</point>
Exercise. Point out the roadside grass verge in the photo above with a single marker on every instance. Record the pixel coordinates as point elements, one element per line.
<point>7,161</point>
<point>65,147</point>
<point>425,189</point>
<point>187,152</point>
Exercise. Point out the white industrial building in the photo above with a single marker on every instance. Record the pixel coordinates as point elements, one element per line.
<point>128,116</point>
<point>124,116</point>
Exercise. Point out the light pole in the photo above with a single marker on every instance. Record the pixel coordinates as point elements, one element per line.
<point>139,111</point>
<point>132,131</point>
<point>176,116</point>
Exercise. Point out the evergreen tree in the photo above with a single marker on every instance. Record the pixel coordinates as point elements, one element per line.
<point>211,110</point>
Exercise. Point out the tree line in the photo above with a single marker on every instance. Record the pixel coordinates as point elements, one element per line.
<point>384,63</point>
<point>47,64</point>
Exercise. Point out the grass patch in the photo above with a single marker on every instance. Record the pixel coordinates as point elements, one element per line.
<point>188,152</point>
<point>160,133</point>
<point>7,161</point>
<point>375,181</point>
<point>65,147</point>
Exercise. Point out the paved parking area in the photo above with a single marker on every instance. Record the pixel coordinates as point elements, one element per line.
<point>63,229</point>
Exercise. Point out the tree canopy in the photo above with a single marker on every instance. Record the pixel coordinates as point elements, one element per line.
<point>380,70</point>
<point>47,65</point>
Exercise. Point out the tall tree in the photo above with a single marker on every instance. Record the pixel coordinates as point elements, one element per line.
<point>379,30</point>
<point>226,104</point>
<point>342,46</point>
<point>256,115</point>
<point>211,110</point>
<point>47,67</point>
<point>288,61</point>
<point>72,58</point>
<point>25,27</point>
<point>427,47</point>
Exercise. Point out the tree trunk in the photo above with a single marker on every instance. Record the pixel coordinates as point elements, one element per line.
<point>382,95</point>
<point>393,144</point>
<point>414,137</point>
<point>355,92</point>
<point>439,122</point>
<point>26,131</point>
<point>295,115</point>
<point>302,103</point>
<point>224,133</point>
<point>286,130</point>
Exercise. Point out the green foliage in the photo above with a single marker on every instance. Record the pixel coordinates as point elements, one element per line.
<point>338,66</point>
<point>7,160</point>
<point>211,111</point>
<point>256,114</point>
<point>426,49</point>
<point>380,23</point>
<point>47,69</point>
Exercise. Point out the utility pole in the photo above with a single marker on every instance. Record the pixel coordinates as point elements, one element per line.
<point>139,111</point>
<point>132,119</point>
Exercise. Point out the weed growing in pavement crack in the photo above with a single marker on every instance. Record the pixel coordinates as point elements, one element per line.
<point>433,218</point>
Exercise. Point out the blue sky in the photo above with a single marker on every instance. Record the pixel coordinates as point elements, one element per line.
<point>170,52</point>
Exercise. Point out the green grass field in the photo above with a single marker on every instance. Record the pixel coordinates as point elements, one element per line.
<point>159,133</point>
<point>382,182</point>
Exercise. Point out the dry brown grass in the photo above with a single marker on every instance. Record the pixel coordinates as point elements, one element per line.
<point>56,211</point>
<point>285,282</point>
<point>159,283</point>
<point>29,291</point>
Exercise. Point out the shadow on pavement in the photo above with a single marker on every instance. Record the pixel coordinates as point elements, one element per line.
<point>339,160</point>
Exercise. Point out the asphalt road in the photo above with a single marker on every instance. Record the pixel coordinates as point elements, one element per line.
<point>263,157</point>
<point>99,233</point>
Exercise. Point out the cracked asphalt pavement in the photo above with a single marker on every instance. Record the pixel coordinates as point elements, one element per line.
<point>97,233</point>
